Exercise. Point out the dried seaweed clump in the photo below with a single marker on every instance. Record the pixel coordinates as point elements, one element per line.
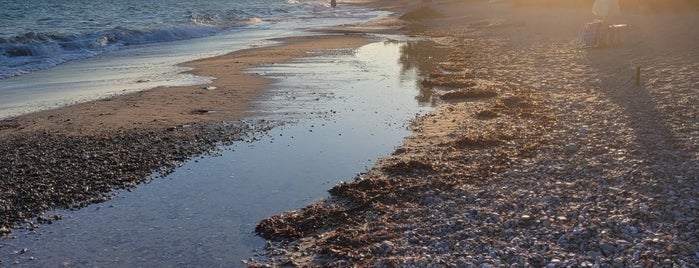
<point>8,124</point>
<point>515,102</point>
<point>296,223</point>
<point>469,94</point>
<point>353,244</point>
<point>487,114</point>
<point>448,83</point>
<point>411,167</point>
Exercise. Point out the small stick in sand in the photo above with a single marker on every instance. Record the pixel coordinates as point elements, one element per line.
<point>638,75</point>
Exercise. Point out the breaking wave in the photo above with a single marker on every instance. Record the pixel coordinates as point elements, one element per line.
<point>32,51</point>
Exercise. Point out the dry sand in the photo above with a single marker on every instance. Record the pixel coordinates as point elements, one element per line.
<point>570,165</point>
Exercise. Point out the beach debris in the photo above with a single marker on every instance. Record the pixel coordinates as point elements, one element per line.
<point>515,102</point>
<point>638,75</point>
<point>9,124</point>
<point>209,88</point>
<point>448,83</point>
<point>410,167</point>
<point>202,111</point>
<point>487,114</point>
<point>297,223</point>
<point>468,94</point>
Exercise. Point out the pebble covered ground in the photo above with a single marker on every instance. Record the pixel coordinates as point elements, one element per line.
<point>541,154</point>
<point>43,171</point>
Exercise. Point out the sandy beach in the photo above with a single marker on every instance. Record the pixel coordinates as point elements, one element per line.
<point>227,98</point>
<point>540,153</point>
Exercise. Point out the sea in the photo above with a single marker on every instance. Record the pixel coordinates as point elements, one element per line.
<point>59,52</point>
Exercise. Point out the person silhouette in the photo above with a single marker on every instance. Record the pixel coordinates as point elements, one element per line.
<point>333,3</point>
<point>604,9</point>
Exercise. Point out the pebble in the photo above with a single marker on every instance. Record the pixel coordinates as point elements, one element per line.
<point>386,247</point>
<point>571,148</point>
<point>633,230</point>
<point>607,249</point>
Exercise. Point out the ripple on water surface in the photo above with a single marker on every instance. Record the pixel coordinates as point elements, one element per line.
<point>348,109</point>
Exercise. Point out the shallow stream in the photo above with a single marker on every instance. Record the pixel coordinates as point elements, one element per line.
<point>345,110</point>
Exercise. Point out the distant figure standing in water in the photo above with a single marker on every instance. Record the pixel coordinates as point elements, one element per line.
<point>333,3</point>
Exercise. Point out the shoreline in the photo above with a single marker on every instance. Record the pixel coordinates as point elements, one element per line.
<point>540,154</point>
<point>119,142</point>
<point>167,107</point>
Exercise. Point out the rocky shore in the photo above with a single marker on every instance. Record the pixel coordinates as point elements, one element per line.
<point>541,154</point>
<point>45,171</point>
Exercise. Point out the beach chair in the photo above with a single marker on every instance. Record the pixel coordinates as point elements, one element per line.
<point>596,34</point>
<point>613,34</point>
<point>589,35</point>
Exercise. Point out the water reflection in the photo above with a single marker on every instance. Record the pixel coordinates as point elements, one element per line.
<point>424,56</point>
<point>349,109</point>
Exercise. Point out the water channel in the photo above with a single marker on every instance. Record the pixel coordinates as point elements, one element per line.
<point>345,110</point>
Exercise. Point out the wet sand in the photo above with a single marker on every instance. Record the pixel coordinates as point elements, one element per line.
<point>541,153</point>
<point>227,98</point>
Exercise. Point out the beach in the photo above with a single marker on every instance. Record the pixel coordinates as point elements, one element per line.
<point>227,98</point>
<point>148,117</point>
<point>539,153</point>
<point>60,165</point>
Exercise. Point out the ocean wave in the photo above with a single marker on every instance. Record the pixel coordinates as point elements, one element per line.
<point>48,44</point>
<point>44,37</point>
<point>33,51</point>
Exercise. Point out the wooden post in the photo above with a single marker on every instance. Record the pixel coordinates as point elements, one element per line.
<point>638,75</point>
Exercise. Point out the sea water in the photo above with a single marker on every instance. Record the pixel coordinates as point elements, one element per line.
<point>54,53</point>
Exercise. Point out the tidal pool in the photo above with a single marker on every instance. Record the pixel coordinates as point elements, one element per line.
<point>343,112</point>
